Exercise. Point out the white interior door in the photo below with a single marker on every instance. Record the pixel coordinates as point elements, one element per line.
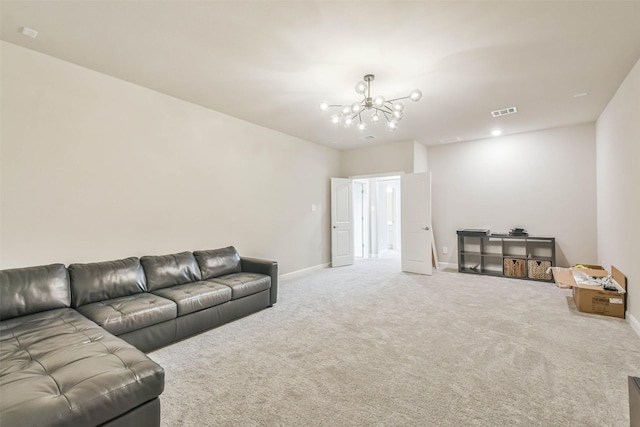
<point>341,222</point>
<point>416,223</point>
<point>358,219</point>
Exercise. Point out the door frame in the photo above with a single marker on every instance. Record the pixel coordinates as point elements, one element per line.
<point>364,221</point>
<point>373,250</point>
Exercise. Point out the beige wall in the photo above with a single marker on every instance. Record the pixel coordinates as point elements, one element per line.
<point>95,168</point>
<point>420,158</point>
<point>403,156</point>
<point>542,181</point>
<point>378,159</point>
<point>618,183</point>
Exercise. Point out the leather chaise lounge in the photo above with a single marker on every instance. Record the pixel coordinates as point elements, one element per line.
<point>72,340</point>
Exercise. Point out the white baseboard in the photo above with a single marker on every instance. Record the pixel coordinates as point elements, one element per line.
<point>303,272</point>
<point>635,324</point>
<point>449,265</point>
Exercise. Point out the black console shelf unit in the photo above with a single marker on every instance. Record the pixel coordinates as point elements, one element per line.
<point>504,255</point>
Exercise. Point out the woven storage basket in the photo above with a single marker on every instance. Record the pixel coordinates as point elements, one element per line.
<point>538,269</point>
<point>515,267</point>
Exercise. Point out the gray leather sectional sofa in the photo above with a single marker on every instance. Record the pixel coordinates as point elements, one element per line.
<point>72,339</point>
<point>634,401</point>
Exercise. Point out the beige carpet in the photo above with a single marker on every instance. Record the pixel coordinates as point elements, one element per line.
<point>368,345</point>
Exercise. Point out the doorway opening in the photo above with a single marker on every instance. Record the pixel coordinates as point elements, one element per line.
<point>393,218</point>
<point>376,209</point>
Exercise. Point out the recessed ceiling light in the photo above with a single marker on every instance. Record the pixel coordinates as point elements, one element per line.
<point>29,32</point>
<point>580,95</point>
<point>496,132</point>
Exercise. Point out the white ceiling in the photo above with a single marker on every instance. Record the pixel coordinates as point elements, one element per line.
<point>272,62</point>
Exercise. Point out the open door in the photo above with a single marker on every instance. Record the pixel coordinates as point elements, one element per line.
<point>416,232</point>
<point>341,222</point>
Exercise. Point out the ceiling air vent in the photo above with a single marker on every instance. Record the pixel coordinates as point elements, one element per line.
<point>29,32</point>
<point>368,137</point>
<point>504,111</point>
<point>450,140</point>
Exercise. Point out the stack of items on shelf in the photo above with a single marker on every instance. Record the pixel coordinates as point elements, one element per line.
<point>594,289</point>
<point>518,232</point>
<point>474,231</point>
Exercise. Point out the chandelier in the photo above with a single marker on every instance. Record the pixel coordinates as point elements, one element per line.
<point>390,109</point>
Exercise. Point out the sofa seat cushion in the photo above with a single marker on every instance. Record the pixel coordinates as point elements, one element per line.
<point>244,284</point>
<point>196,296</point>
<point>126,314</point>
<point>57,368</point>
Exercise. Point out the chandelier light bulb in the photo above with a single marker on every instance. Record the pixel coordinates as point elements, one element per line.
<point>397,115</point>
<point>335,119</point>
<point>392,125</point>
<point>378,101</point>
<point>361,87</point>
<point>415,95</point>
<point>346,109</point>
<point>356,107</point>
<point>348,121</point>
<point>362,126</point>
<point>324,106</point>
<point>398,106</point>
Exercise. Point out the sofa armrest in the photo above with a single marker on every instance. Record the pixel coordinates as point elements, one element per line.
<point>634,401</point>
<point>262,266</point>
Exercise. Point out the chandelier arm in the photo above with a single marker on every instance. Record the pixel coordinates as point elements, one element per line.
<point>385,109</point>
<point>399,99</point>
<point>386,115</point>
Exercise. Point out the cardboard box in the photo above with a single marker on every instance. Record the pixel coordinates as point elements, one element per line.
<point>592,298</point>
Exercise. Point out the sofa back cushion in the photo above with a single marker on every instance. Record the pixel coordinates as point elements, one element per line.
<point>218,262</point>
<point>101,281</point>
<point>33,289</point>
<point>163,271</point>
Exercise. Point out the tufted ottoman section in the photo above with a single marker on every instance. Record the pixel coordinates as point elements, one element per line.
<point>57,368</point>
